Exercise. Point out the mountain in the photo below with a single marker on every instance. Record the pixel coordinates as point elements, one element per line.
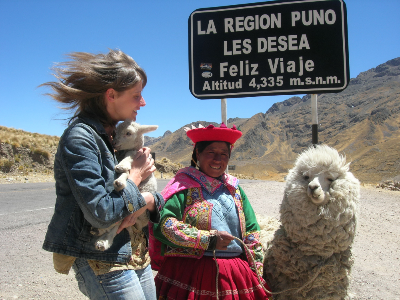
<point>149,141</point>
<point>361,122</point>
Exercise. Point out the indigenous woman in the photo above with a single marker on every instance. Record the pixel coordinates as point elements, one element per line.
<point>205,219</point>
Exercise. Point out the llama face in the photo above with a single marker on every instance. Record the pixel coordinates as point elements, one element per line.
<point>127,136</point>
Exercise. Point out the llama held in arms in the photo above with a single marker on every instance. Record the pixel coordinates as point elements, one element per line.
<point>127,141</point>
<point>309,256</point>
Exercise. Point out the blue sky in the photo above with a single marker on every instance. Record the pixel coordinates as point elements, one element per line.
<point>36,34</point>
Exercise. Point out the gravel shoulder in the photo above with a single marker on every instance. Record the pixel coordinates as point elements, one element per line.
<point>27,272</point>
<point>376,249</point>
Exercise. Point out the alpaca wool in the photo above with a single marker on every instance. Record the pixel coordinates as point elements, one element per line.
<point>318,215</point>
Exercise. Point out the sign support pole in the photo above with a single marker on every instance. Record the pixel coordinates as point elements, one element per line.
<point>224,119</point>
<point>314,118</point>
<point>223,111</point>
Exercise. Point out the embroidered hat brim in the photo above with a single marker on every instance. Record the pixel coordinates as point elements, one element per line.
<point>211,133</point>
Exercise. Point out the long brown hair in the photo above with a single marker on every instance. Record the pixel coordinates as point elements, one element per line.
<point>83,81</point>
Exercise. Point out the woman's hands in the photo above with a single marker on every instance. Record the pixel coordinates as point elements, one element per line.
<point>223,240</point>
<point>132,218</point>
<point>142,166</point>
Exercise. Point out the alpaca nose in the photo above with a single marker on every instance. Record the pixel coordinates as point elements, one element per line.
<point>313,187</point>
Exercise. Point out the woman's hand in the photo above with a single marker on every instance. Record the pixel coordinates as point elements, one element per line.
<point>132,218</point>
<point>223,240</point>
<point>142,166</point>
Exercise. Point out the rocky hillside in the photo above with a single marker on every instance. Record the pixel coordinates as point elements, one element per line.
<point>26,154</point>
<point>29,157</point>
<point>362,122</point>
<point>148,141</point>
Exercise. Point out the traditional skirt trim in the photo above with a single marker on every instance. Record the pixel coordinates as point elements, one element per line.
<point>208,293</point>
<point>195,279</point>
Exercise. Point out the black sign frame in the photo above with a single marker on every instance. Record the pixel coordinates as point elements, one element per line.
<point>268,48</point>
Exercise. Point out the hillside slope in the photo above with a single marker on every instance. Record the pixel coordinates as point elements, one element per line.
<point>362,122</point>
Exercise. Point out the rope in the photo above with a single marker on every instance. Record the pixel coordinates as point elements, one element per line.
<point>216,278</point>
<point>260,279</point>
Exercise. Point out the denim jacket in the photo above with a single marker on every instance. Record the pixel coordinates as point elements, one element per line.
<point>84,174</point>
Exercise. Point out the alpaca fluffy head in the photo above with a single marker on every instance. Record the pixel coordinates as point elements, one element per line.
<point>317,169</point>
<point>320,203</point>
<point>129,135</point>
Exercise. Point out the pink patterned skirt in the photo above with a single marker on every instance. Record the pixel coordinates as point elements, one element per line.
<point>191,278</point>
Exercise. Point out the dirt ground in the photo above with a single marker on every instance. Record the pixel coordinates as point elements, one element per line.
<point>27,271</point>
<point>376,250</point>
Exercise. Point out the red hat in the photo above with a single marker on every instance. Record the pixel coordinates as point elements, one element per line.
<point>212,133</point>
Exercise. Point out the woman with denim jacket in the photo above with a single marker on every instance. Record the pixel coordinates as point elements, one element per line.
<point>103,89</point>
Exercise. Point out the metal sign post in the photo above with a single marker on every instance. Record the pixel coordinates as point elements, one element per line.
<point>224,120</point>
<point>224,114</point>
<point>314,119</point>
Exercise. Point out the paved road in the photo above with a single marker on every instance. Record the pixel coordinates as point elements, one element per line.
<point>31,203</point>
<point>27,270</point>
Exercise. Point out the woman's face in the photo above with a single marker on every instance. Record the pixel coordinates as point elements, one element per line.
<point>124,105</point>
<point>214,159</point>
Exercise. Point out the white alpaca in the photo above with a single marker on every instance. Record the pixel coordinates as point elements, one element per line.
<point>127,141</point>
<point>268,226</point>
<point>310,254</point>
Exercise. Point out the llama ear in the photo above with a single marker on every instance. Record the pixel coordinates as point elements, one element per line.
<point>147,128</point>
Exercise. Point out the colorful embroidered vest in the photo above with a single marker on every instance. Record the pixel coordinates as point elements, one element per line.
<point>196,213</point>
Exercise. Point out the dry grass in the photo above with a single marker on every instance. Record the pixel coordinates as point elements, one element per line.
<point>24,153</point>
<point>6,165</point>
<point>20,138</point>
<point>42,152</point>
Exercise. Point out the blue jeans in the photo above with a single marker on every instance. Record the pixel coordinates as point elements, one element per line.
<point>121,285</point>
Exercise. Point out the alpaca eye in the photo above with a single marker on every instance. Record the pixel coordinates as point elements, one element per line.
<point>306,177</point>
<point>330,179</point>
<point>128,133</point>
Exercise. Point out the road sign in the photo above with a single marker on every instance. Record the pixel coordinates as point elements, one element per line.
<point>268,48</point>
